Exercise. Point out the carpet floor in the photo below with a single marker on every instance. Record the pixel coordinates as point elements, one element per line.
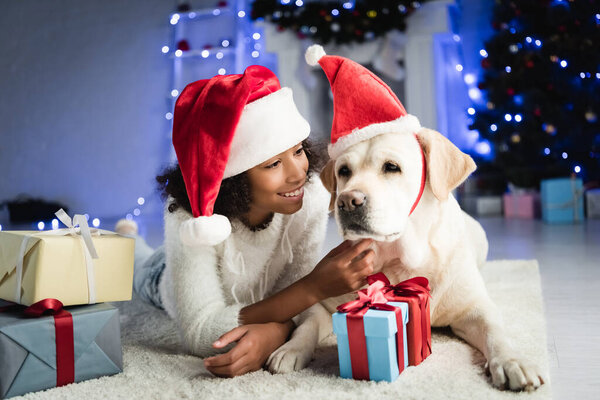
<point>155,366</point>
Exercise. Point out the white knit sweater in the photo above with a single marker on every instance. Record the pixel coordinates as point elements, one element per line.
<point>204,288</point>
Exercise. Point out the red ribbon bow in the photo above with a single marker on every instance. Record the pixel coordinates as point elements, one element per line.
<point>371,297</point>
<point>414,288</point>
<point>374,298</point>
<point>63,329</point>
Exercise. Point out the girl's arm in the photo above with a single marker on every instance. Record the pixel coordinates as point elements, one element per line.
<point>201,312</point>
<point>195,291</point>
<point>341,271</point>
<point>259,337</point>
<point>306,280</point>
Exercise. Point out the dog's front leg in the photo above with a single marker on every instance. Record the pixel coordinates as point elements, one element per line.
<point>314,324</point>
<point>482,327</point>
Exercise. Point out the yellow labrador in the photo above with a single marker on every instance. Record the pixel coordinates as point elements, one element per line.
<point>374,186</point>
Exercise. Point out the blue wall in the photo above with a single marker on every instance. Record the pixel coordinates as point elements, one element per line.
<point>83,95</point>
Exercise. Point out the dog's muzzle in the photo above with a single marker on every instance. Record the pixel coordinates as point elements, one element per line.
<point>352,211</point>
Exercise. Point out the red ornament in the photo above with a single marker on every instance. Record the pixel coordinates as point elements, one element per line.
<point>510,91</point>
<point>358,32</point>
<point>485,63</point>
<point>222,4</point>
<point>529,64</point>
<point>355,13</point>
<point>537,112</point>
<point>481,85</point>
<point>322,13</point>
<point>301,35</point>
<point>562,28</point>
<point>207,47</point>
<point>183,45</point>
<point>280,28</point>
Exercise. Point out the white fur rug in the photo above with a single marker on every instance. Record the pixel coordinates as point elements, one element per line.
<point>156,368</point>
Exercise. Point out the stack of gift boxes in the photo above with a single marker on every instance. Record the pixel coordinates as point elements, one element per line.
<point>385,330</point>
<point>55,325</point>
<point>559,201</point>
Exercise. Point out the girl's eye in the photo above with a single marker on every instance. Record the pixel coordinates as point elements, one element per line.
<point>299,151</point>
<point>276,163</point>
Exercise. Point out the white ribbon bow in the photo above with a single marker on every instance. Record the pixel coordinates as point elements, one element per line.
<point>78,226</point>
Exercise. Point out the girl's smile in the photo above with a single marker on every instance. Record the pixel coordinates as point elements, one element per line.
<point>294,195</point>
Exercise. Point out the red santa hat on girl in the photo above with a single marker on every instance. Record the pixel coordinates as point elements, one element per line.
<point>222,127</point>
<point>363,105</point>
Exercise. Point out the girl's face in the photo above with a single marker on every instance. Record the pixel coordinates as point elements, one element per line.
<point>277,185</point>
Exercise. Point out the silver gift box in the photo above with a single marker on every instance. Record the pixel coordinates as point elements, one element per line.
<point>28,349</point>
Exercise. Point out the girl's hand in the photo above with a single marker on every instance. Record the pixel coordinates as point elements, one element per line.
<point>255,343</point>
<point>343,270</point>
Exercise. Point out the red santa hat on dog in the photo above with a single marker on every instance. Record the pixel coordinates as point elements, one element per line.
<point>222,127</point>
<point>363,105</point>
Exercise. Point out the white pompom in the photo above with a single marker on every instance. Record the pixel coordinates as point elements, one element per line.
<point>314,54</point>
<point>208,231</point>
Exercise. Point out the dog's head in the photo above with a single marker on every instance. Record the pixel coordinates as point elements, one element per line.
<point>375,183</point>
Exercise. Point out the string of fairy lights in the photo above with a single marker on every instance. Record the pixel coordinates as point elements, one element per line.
<point>181,49</point>
<point>54,224</point>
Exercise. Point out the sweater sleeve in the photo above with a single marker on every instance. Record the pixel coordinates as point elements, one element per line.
<point>197,300</point>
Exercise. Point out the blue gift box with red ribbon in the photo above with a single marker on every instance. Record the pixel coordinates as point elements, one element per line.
<point>386,347</point>
<point>372,337</point>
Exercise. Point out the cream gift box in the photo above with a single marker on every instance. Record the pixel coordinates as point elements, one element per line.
<point>55,265</point>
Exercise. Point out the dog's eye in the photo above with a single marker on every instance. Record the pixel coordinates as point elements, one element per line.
<point>344,171</point>
<point>391,167</point>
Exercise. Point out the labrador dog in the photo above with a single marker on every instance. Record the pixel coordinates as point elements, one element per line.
<point>375,185</point>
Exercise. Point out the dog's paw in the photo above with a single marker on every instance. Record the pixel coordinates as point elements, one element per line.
<point>288,358</point>
<point>514,374</point>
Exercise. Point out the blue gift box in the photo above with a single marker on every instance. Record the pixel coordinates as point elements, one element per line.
<point>28,360</point>
<point>562,200</point>
<point>380,331</point>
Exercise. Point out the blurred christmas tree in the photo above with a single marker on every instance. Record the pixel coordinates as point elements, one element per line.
<point>541,86</point>
<point>340,22</point>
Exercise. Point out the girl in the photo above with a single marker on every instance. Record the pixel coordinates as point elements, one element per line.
<point>245,218</point>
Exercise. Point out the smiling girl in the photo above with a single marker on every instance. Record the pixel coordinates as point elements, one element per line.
<point>245,218</point>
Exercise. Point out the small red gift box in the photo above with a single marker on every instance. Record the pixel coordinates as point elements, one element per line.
<point>415,292</point>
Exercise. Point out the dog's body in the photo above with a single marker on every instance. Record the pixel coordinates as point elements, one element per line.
<point>375,184</point>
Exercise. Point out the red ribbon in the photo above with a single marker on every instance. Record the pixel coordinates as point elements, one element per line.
<point>371,298</point>
<point>63,328</point>
<point>416,292</point>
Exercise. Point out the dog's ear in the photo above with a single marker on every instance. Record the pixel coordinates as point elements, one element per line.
<point>328,178</point>
<point>447,166</point>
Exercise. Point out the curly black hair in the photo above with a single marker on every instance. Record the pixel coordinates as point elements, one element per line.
<point>233,200</point>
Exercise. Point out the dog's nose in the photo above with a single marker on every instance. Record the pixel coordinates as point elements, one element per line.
<point>349,201</point>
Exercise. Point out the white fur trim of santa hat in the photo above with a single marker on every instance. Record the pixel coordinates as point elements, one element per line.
<point>268,126</point>
<point>202,230</point>
<point>406,124</point>
<point>313,54</point>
